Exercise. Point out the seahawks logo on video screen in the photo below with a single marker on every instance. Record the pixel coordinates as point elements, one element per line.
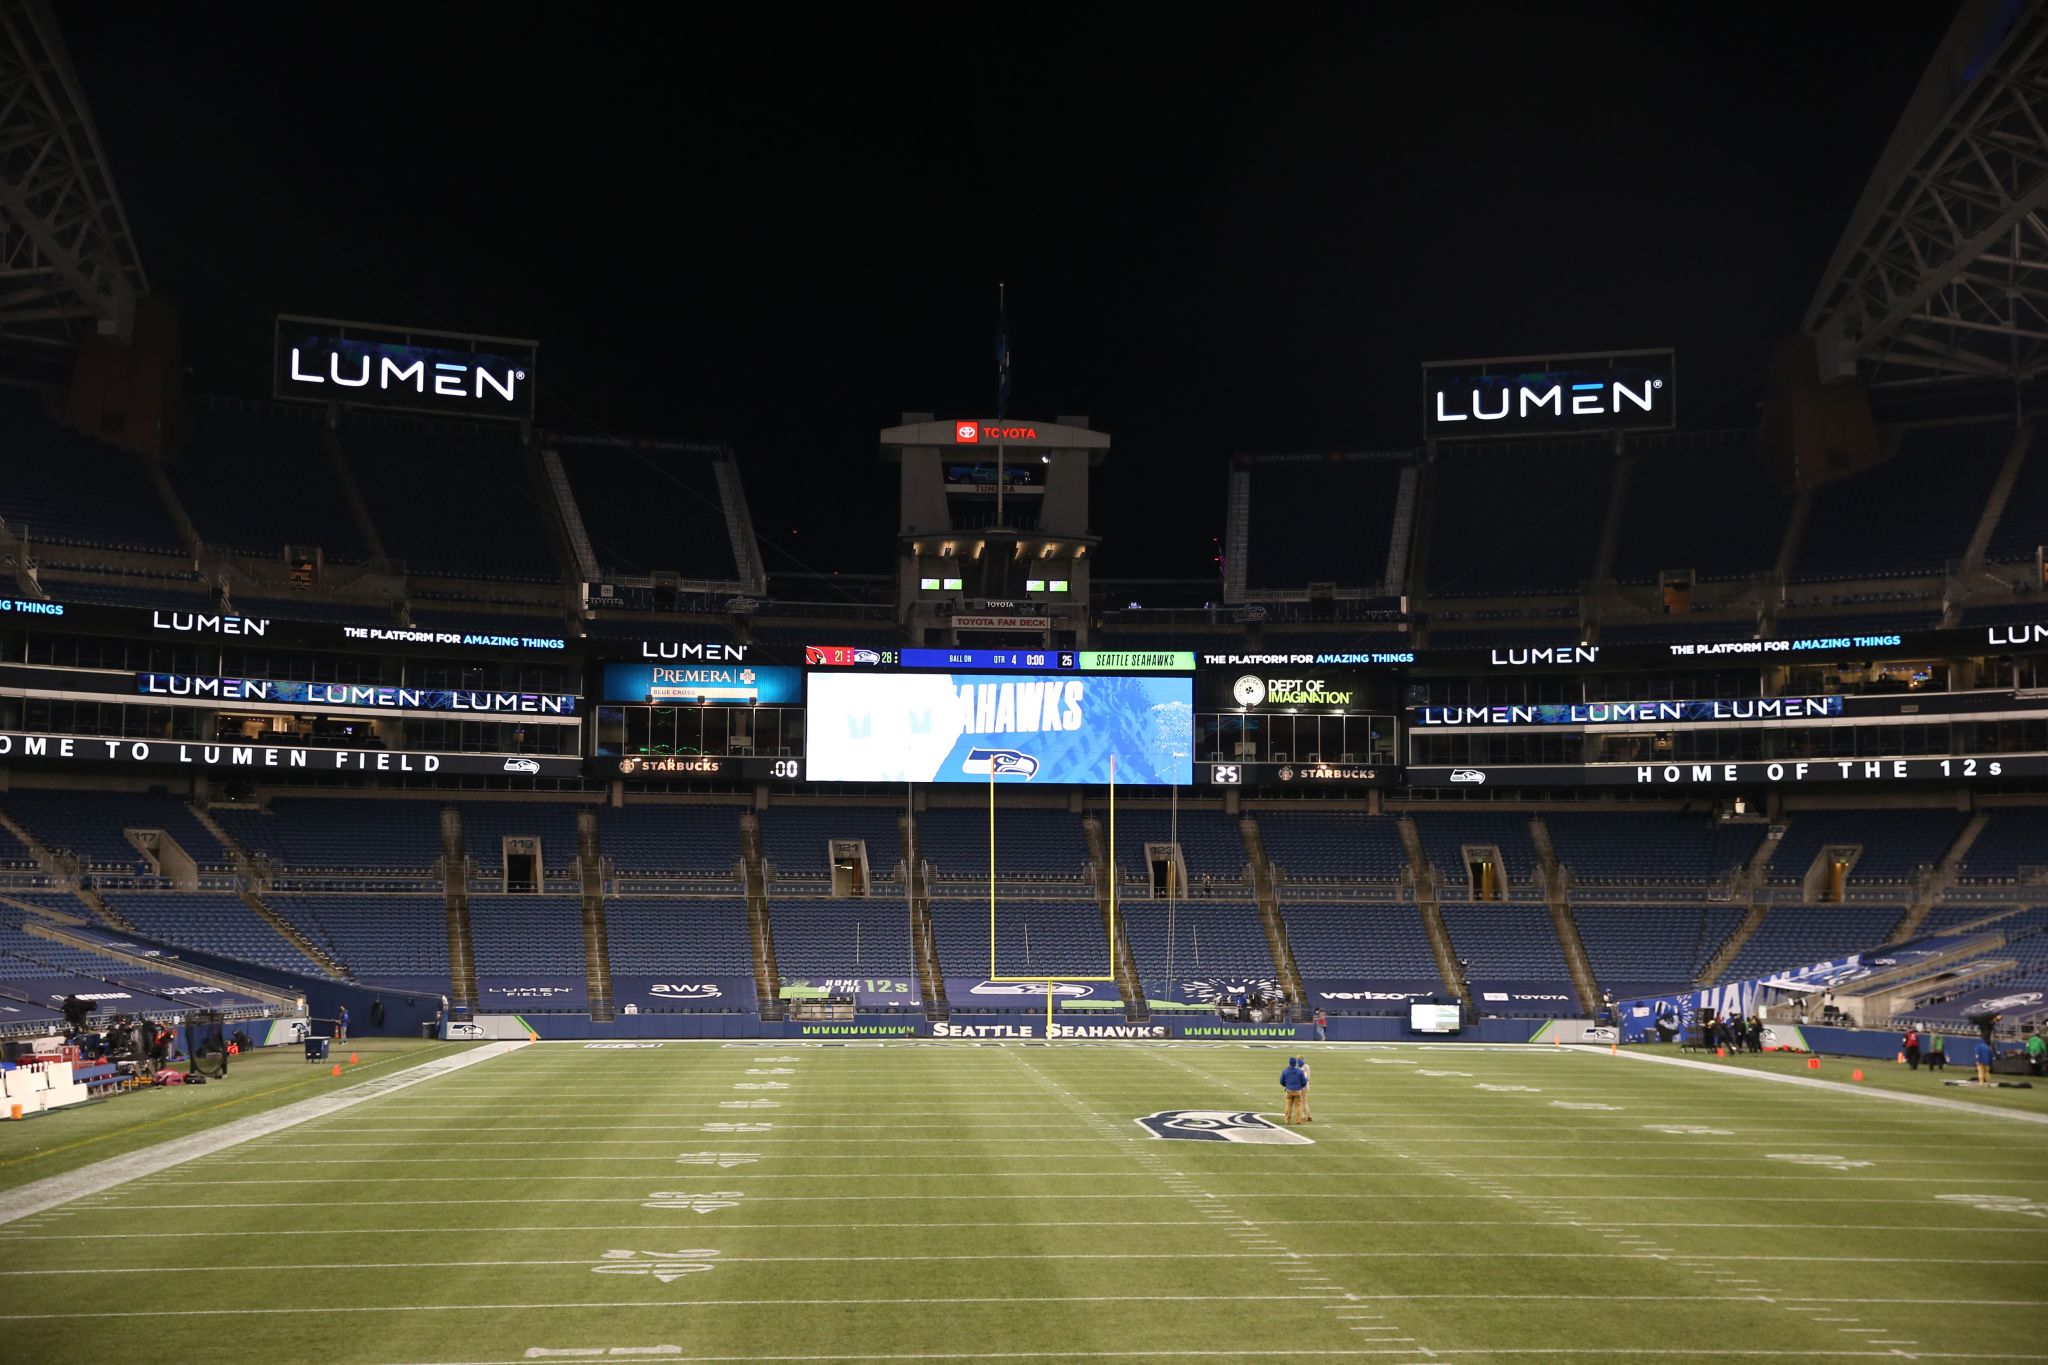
<point>1221,1125</point>
<point>1000,763</point>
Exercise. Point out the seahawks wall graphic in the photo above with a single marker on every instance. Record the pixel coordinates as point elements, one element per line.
<point>973,727</point>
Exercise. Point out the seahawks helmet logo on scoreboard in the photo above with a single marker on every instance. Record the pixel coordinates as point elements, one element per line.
<point>1000,763</point>
<point>1220,1125</point>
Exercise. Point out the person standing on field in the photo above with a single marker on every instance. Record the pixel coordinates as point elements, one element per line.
<point>1294,1082</point>
<point>1937,1052</point>
<point>1322,1026</point>
<point>1909,1044</point>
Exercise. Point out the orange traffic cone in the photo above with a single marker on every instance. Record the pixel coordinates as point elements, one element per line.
<point>1614,1049</point>
<point>1813,1063</point>
<point>1901,1059</point>
<point>1857,1074</point>
<point>1720,1052</point>
<point>353,1059</point>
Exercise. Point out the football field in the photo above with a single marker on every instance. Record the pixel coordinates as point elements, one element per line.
<point>942,1201</point>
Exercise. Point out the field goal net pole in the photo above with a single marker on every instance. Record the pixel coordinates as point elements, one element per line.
<point>1051,981</point>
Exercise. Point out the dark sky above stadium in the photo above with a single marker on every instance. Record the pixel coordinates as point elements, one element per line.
<point>1243,236</point>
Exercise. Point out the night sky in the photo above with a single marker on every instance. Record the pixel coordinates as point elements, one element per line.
<point>1243,237</point>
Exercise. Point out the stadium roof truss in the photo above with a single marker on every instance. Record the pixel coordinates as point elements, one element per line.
<point>1943,269</point>
<point>68,265</point>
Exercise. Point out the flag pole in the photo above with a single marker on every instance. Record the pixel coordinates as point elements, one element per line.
<point>1002,392</point>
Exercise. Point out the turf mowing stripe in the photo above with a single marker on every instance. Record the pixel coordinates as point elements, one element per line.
<point>667,1305</point>
<point>864,1225</point>
<point>1315,1353</point>
<point>41,1195</point>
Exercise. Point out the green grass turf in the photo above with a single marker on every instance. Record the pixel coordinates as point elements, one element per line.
<point>952,1201</point>
<point>51,1144</point>
<point>1887,1074</point>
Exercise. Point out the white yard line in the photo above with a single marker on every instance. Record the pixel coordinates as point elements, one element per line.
<point>41,1195</point>
<point>1839,1087</point>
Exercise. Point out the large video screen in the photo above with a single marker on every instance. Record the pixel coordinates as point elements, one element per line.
<point>1434,1018</point>
<point>977,727</point>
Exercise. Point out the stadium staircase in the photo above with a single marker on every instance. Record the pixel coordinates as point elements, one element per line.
<point>1266,890</point>
<point>1926,892</point>
<point>1124,968</point>
<point>1396,579</point>
<point>597,951</point>
<point>1418,551</point>
<point>153,470</point>
<point>2001,494</point>
<point>352,495</point>
<point>1433,925</point>
<point>739,525</point>
<point>931,978</point>
<point>1561,918</point>
<point>767,984</point>
<point>572,518</point>
<point>455,890</point>
<point>1237,533</point>
<point>1795,531</point>
<point>1610,525</point>
<point>237,855</point>
<point>1731,947</point>
<point>289,932</point>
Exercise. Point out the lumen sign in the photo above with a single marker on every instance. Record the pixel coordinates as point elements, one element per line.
<point>362,365</point>
<point>1549,395</point>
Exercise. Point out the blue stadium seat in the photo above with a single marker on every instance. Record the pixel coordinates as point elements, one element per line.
<point>379,938</point>
<point>1333,846</point>
<point>673,838</point>
<point>90,824</point>
<point>1912,514</point>
<point>1644,949</point>
<point>859,936</point>
<point>215,922</point>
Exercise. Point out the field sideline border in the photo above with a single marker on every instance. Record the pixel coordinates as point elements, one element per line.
<point>1843,1087</point>
<point>41,1196</point>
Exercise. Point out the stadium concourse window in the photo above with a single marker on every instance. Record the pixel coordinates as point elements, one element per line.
<point>1224,737</point>
<point>110,718</point>
<point>1892,675</point>
<point>641,731</point>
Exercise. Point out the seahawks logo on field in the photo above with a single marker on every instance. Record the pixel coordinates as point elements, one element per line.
<point>1000,763</point>
<point>1220,1125</point>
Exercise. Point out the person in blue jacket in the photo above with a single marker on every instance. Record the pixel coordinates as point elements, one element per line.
<point>1295,1084</point>
<point>1985,1054</point>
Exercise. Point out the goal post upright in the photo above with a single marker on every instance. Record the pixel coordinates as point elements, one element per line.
<point>1050,982</point>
